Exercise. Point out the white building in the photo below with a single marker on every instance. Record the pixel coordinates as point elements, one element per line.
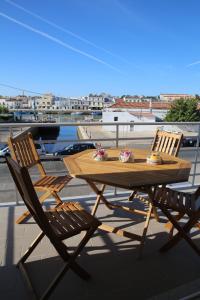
<point>126,116</point>
<point>173,97</point>
<point>61,103</point>
<point>98,102</point>
<point>34,102</point>
<point>157,108</point>
<point>45,102</point>
<point>134,112</point>
<point>13,103</point>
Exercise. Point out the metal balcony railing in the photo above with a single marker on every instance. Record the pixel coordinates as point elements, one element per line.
<point>118,138</point>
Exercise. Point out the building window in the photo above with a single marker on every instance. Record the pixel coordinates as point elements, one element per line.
<point>115,119</point>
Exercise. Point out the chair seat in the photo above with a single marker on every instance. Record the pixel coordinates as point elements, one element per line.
<point>69,219</point>
<point>175,200</point>
<point>53,183</point>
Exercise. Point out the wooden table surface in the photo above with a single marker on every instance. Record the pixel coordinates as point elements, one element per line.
<point>127,175</point>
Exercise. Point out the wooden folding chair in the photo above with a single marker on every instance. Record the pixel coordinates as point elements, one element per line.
<point>165,142</point>
<point>57,224</point>
<point>23,151</point>
<point>185,204</point>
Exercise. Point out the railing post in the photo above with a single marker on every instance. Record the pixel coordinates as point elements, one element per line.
<point>11,131</point>
<point>16,193</point>
<point>117,145</point>
<point>196,156</point>
<point>117,135</point>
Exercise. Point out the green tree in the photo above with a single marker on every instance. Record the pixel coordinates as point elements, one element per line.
<point>3,109</point>
<point>183,110</point>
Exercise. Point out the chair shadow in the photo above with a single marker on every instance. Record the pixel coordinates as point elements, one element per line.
<point>113,264</point>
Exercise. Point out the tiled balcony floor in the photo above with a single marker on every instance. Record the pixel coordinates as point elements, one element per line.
<point>111,260</point>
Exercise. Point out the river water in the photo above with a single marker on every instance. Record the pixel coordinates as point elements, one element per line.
<point>59,133</point>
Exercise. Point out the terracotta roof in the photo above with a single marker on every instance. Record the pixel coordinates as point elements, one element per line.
<point>156,105</point>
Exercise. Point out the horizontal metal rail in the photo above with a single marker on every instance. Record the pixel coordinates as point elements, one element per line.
<point>94,124</point>
<point>12,127</point>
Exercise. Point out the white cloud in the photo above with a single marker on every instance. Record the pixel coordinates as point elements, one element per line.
<point>194,63</point>
<point>69,32</point>
<point>58,41</point>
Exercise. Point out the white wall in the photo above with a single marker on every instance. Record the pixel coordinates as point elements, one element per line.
<point>124,116</point>
<point>160,113</point>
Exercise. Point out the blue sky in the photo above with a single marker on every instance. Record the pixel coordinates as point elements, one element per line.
<point>75,47</point>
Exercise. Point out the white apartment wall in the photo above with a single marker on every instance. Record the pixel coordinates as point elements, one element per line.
<point>98,102</point>
<point>160,113</point>
<point>13,104</point>
<point>126,117</point>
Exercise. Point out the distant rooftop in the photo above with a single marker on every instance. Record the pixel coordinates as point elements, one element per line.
<point>120,103</point>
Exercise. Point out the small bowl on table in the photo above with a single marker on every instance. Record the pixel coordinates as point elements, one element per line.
<point>100,155</point>
<point>126,156</point>
<point>154,159</point>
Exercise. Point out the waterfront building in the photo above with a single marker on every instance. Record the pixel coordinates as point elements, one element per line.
<point>13,103</point>
<point>34,102</point>
<point>76,104</point>
<point>95,102</point>
<point>172,97</point>
<point>141,98</point>
<point>45,102</point>
<point>68,103</point>
<point>61,103</point>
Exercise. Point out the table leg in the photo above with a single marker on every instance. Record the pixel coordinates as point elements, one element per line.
<point>105,227</point>
<point>146,225</point>
<point>98,200</point>
<point>151,195</point>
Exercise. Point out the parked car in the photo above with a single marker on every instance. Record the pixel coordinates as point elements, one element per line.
<point>40,149</point>
<point>4,150</point>
<point>189,142</point>
<point>75,148</point>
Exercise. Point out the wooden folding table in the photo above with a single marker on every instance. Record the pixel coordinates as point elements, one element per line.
<point>137,175</point>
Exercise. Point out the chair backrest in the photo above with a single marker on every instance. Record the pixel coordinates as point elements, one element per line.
<point>23,151</point>
<point>167,142</point>
<point>25,187</point>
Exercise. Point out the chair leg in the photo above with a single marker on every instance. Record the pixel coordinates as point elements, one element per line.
<point>71,264</point>
<point>57,198</point>
<point>170,226</point>
<point>146,225</point>
<point>27,214</point>
<point>27,280</point>
<point>23,217</point>
<point>132,195</point>
<point>21,263</point>
<point>182,233</point>
<point>31,248</point>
